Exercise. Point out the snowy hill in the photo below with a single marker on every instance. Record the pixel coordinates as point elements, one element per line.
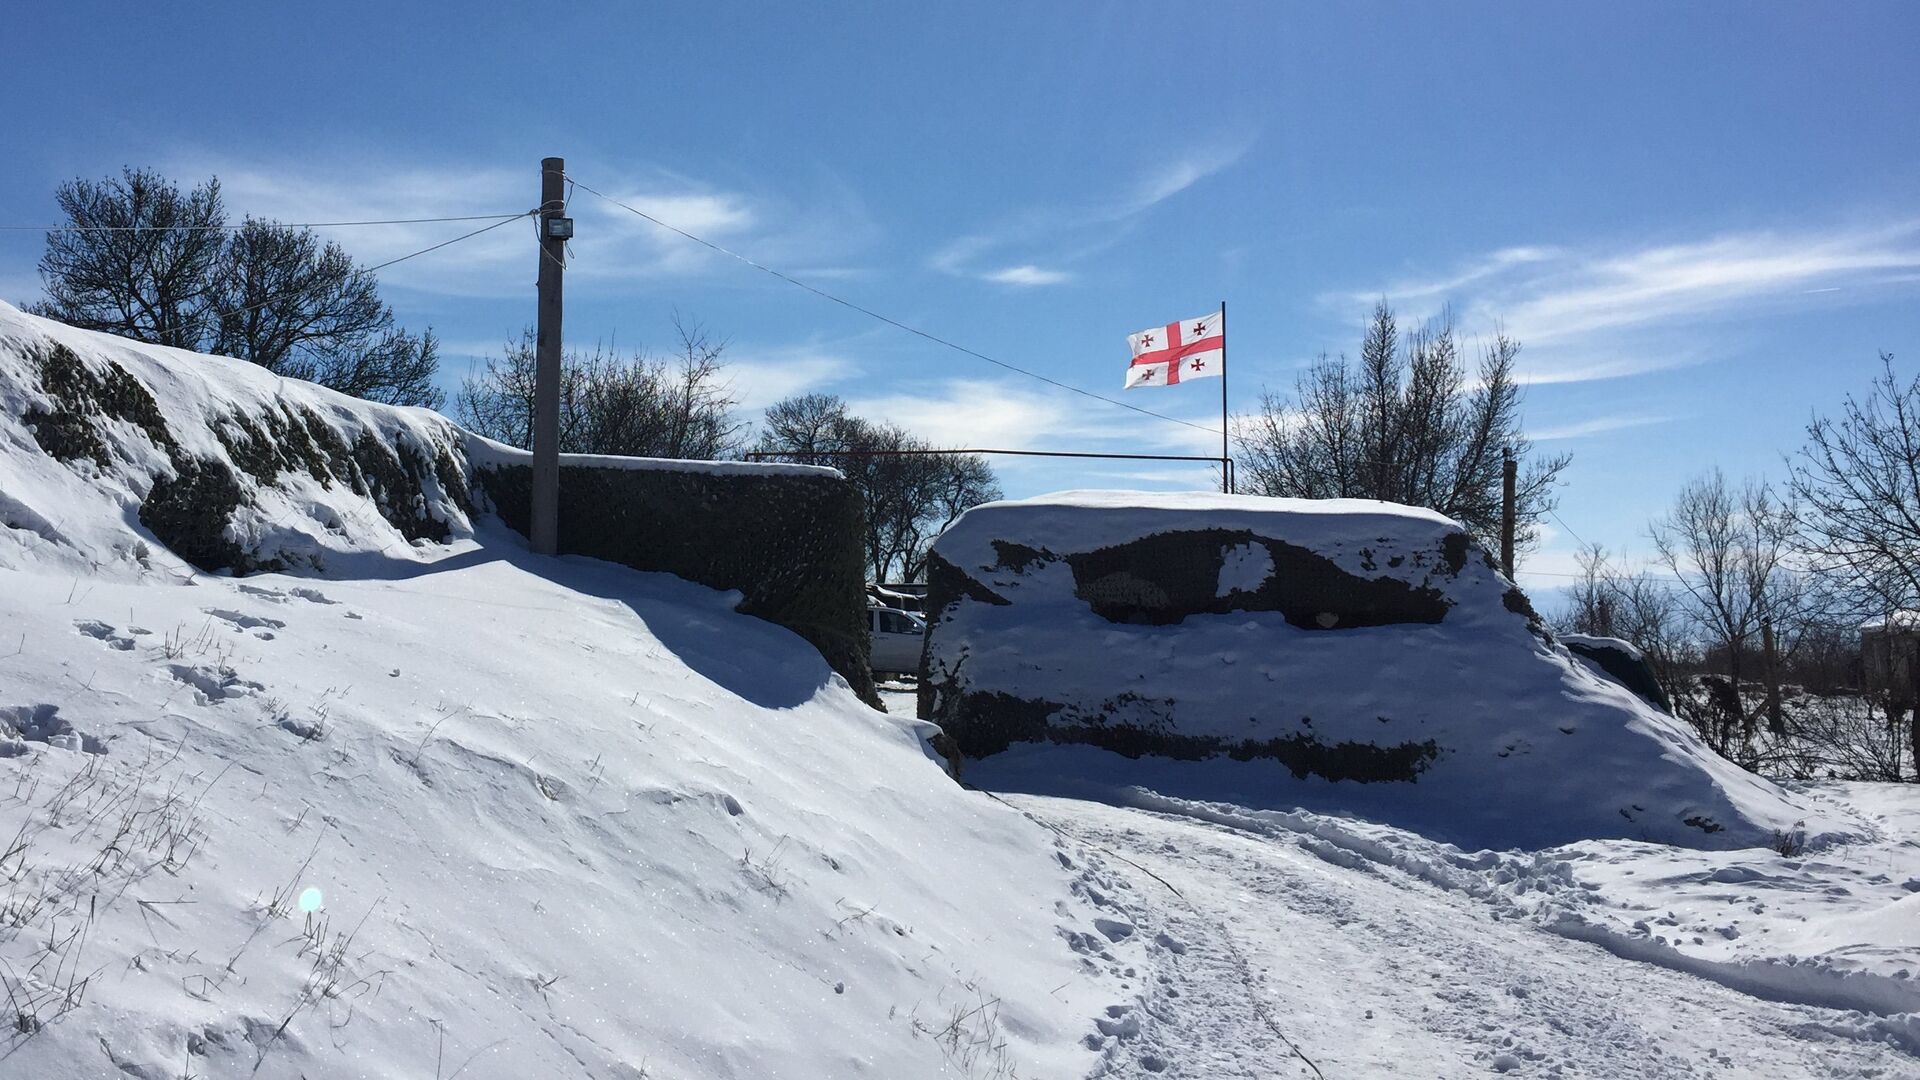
<point>1345,655</point>
<point>441,804</point>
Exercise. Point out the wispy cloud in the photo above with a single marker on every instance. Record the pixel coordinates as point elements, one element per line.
<point>1591,314</point>
<point>612,247</point>
<point>762,377</point>
<point>1597,425</point>
<point>1176,174</point>
<point>1416,290</point>
<point>1027,274</point>
<point>1054,236</point>
<point>1707,278</point>
<point>1005,414</point>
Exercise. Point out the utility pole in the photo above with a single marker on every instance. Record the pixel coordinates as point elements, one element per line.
<point>1776,721</point>
<point>543,528</point>
<point>1508,471</point>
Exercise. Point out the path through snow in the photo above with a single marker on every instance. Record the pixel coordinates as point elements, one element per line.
<point>1374,971</point>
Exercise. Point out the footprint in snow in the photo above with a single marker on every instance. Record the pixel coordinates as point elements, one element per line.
<point>275,596</point>
<point>44,724</point>
<point>213,684</point>
<point>240,620</point>
<point>1121,1022</point>
<point>104,634</point>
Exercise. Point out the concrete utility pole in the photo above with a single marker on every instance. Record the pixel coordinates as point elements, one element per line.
<point>543,530</point>
<point>1508,471</point>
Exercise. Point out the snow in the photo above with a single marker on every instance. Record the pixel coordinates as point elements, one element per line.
<point>1378,951</point>
<point>84,514</point>
<point>459,810</point>
<point>1535,749</point>
<point>1899,620</point>
<point>560,818</point>
<point>1244,568</point>
<point>670,854</point>
<point>1062,520</point>
<point>1372,969</point>
<point>484,452</point>
<point>1620,645</point>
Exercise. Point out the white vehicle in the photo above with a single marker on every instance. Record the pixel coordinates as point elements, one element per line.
<point>897,638</point>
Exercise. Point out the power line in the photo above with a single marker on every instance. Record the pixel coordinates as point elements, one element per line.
<point>1564,525</point>
<point>872,314</point>
<point>232,228</point>
<point>760,455</point>
<point>444,243</point>
<point>215,317</point>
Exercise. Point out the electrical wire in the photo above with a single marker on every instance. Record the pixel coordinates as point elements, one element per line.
<point>232,228</point>
<point>455,240</point>
<point>1564,525</point>
<point>215,317</point>
<point>896,323</point>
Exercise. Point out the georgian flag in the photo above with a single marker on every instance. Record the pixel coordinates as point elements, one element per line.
<point>1176,352</point>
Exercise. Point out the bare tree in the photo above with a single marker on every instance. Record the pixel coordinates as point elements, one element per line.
<point>910,498</point>
<point>642,406</point>
<point>145,261</point>
<point>1729,550</point>
<point>1593,601</point>
<point>1857,481</point>
<point>304,310</point>
<point>141,259</point>
<point>1646,612</point>
<point>1404,424</point>
<point>1651,616</point>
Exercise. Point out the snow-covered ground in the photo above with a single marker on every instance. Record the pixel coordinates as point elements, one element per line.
<point>551,817</point>
<point>1379,952</point>
<point>454,810</point>
<point>451,809</point>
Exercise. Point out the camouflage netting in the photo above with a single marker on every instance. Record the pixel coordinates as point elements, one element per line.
<point>195,501</point>
<point>1622,663</point>
<point>1163,579</point>
<point>1353,656</point>
<point>232,469</point>
<point>790,543</point>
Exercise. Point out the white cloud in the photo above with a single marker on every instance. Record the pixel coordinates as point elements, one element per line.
<point>1597,425</point>
<point>1601,314</point>
<point>1415,290</point>
<point>1028,275</point>
<point>1181,172</point>
<point>1073,232</point>
<point>771,375</point>
<point>612,247</point>
<point>1004,414</point>
<point>1699,279</point>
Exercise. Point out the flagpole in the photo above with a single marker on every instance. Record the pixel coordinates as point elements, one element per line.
<point>1226,457</point>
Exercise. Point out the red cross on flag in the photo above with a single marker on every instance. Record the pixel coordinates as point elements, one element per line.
<point>1178,351</point>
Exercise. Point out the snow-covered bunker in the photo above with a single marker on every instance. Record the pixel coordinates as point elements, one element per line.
<point>232,468</point>
<point>1345,654</point>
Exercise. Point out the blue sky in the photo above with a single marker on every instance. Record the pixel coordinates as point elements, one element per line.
<point>1702,221</point>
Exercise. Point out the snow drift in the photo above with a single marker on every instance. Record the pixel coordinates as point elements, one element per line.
<point>440,807</point>
<point>1350,655</point>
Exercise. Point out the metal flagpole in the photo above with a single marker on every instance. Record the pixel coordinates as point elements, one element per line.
<point>1226,457</point>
